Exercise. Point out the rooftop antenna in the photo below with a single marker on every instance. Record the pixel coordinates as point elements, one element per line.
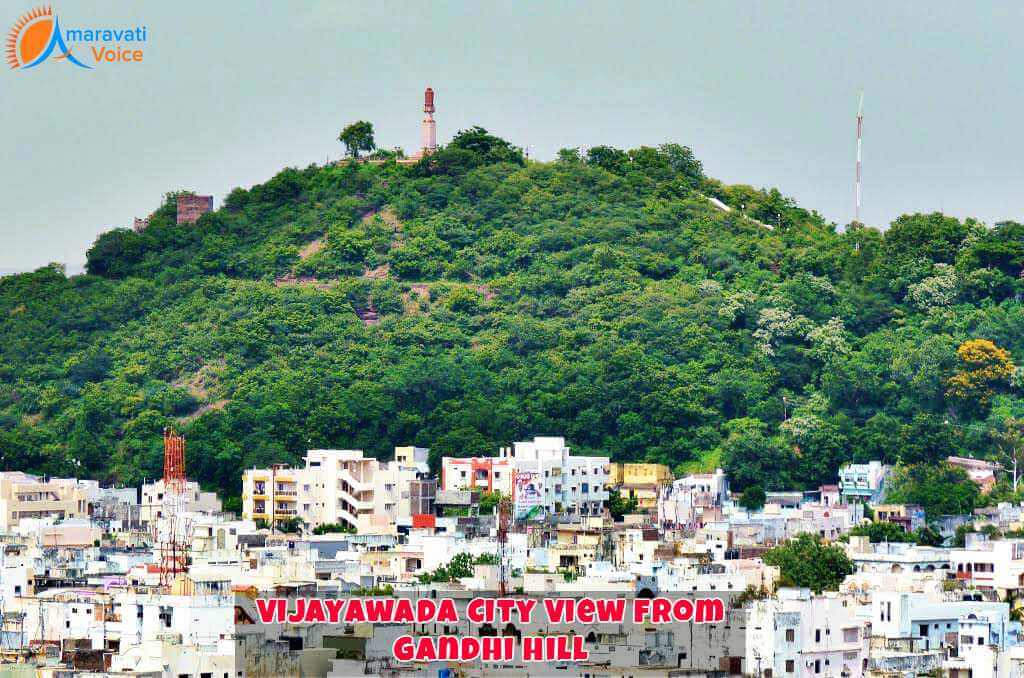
<point>860,128</point>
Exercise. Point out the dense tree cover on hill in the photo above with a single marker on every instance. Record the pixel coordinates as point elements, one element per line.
<point>474,298</point>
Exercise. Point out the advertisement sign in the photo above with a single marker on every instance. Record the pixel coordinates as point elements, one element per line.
<point>528,495</point>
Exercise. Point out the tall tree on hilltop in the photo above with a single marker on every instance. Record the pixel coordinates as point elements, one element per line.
<point>357,137</point>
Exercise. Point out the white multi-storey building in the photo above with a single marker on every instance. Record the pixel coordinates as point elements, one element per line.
<point>992,565</point>
<point>560,482</point>
<point>683,502</point>
<point>567,483</point>
<point>335,487</point>
<point>342,487</point>
<point>801,634</point>
<point>156,501</point>
<point>942,623</point>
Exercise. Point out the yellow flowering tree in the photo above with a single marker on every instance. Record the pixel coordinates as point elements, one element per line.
<point>984,367</point>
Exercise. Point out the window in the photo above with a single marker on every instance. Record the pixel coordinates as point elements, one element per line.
<point>790,636</point>
<point>817,635</point>
<point>789,666</point>
<point>817,666</point>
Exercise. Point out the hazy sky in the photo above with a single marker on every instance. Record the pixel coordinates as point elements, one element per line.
<point>765,94</point>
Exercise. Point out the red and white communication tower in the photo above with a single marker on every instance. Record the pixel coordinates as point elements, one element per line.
<point>860,129</point>
<point>172,528</point>
<point>174,461</point>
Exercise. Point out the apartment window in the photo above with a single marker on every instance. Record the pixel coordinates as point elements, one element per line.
<point>165,616</point>
<point>790,636</point>
<point>817,666</point>
<point>817,635</point>
<point>789,666</point>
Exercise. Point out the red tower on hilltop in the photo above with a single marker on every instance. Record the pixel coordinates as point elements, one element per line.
<point>429,127</point>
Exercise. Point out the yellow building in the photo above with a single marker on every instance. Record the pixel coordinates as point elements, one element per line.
<point>23,496</point>
<point>640,481</point>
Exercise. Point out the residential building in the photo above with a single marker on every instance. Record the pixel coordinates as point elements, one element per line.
<point>798,633</point>
<point>334,487</point>
<point>989,565</point>
<point>908,516</point>
<point>563,482</point>
<point>342,487</point>
<point>938,623</point>
<point>982,472</point>
<point>686,501</point>
<point>156,501</point>
<point>26,496</point>
<point>642,482</point>
<point>864,483</point>
<point>487,474</point>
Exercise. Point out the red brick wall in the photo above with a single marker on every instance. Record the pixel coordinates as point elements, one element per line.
<point>191,207</point>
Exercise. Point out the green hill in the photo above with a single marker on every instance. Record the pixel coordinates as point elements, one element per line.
<point>474,298</point>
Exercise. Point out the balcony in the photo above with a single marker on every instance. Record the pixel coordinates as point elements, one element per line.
<point>357,504</point>
<point>353,482</point>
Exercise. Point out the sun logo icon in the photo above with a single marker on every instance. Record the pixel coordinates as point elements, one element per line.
<point>34,38</point>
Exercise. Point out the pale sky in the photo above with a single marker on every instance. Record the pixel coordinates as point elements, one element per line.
<point>765,93</point>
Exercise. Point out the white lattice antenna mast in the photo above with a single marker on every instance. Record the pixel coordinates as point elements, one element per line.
<point>860,130</point>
